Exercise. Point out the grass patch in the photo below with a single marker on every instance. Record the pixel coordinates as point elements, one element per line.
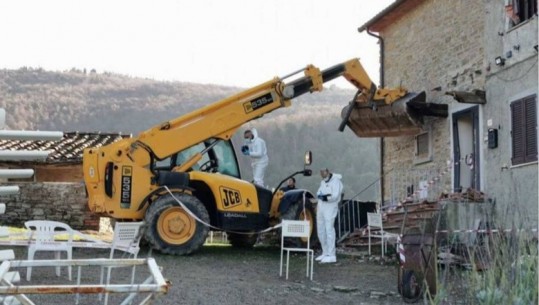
<point>503,271</point>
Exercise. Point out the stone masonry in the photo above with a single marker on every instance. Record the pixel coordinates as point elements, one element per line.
<point>436,47</point>
<point>64,202</point>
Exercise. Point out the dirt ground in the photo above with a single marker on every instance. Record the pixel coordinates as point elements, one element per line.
<point>228,276</point>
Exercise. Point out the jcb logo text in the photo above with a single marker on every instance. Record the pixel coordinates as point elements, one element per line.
<point>230,197</point>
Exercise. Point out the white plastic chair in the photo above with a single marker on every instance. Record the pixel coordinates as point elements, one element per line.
<point>44,232</point>
<point>374,220</point>
<point>127,236</point>
<point>296,228</point>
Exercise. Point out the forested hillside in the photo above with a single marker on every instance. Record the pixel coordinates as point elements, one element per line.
<point>79,101</point>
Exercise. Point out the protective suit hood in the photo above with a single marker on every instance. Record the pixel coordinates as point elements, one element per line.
<point>332,187</point>
<point>335,176</point>
<point>255,133</point>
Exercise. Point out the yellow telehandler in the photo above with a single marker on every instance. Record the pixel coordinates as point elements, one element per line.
<point>191,159</point>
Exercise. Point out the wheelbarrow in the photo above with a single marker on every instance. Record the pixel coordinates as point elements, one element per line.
<point>418,268</point>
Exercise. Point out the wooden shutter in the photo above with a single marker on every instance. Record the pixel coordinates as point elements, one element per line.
<point>517,132</point>
<point>530,105</point>
<point>524,130</point>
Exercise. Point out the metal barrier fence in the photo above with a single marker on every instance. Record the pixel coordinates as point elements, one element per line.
<point>415,184</point>
<point>352,215</point>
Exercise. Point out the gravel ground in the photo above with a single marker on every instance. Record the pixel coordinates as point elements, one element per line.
<point>229,276</point>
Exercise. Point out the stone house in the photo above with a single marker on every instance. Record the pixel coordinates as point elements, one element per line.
<point>56,191</point>
<point>481,60</point>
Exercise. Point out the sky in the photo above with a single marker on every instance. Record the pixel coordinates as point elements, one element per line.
<point>226,42</point>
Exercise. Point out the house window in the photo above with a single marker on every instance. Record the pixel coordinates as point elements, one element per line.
<point>423,147</point>
<point>524,130</point>
<point>422,142</point>
<point>519,11</point>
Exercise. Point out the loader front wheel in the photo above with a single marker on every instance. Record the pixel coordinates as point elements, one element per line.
<point>247,240</point>
<point>171,229</point>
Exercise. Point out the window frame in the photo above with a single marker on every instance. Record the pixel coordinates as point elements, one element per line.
<point>428,156</point>
<point>523,16</point>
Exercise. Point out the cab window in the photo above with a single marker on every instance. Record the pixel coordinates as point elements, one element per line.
<point>186,154</point>
<point>164,164</point>
<point>226,159</point>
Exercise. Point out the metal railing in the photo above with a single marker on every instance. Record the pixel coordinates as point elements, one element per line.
<point>152,285</point>
<point>349,217</point>
<point>415,185</point>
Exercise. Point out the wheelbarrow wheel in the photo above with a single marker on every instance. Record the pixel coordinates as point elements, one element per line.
<point>411,286</point>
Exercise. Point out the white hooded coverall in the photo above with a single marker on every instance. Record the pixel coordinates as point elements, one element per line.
<point>327,211</point>
<point>259,157</point>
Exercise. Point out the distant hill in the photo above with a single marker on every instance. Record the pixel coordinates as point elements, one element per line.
<point>75,100</point>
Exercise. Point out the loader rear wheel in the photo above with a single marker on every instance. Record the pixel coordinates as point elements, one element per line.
<point>171,229</point>
<point>296,212</point>
<point>247,240</point>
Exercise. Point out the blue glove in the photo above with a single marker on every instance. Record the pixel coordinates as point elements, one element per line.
<point>245,150</point>
<point>323,197</point>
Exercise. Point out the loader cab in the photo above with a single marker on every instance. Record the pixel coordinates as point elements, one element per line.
<point>221,158</point>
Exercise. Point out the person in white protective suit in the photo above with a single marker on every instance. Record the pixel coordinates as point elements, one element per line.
<point>256,148</point>
<point>329,195</point>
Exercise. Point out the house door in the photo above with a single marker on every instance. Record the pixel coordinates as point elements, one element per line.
<point>466,149</point>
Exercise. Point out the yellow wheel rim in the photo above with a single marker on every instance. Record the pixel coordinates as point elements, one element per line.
<point>307,215</point>
<point>175,226</point>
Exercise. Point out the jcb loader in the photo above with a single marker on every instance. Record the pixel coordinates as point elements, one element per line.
<point>192,157</point>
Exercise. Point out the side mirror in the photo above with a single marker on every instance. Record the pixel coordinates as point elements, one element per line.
<point>308,158</point>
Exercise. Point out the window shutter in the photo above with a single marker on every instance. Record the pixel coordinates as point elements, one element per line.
<point>517,132</point>
<point>530,105</point>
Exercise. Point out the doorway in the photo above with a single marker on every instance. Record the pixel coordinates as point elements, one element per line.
<point>466,149</point>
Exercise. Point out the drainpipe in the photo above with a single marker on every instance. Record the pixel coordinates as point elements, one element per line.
<point>382,84</point>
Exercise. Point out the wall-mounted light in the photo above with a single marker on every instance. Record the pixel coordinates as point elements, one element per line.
<point>499,61</point>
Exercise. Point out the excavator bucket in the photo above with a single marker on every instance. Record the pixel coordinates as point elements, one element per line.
<point>399,118</point>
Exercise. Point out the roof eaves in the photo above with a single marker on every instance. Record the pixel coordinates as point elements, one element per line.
<point>379,16</point>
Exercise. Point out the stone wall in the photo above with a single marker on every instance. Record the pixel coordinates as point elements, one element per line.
<point>64,202</point>
<point>436,47</point>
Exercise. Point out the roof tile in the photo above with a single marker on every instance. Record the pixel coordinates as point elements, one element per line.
<point>67,150</point>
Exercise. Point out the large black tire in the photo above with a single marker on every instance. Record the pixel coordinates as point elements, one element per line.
<point>295,212</point>
<point>171,229</point>
<point>412,287</point>
<point>246,241</point>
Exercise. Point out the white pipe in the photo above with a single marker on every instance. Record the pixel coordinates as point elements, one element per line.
<point>23,155</point>
<point>31,135</point>
<point>2,117</point>
<point>16,173</point>
<point>9,190</point>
